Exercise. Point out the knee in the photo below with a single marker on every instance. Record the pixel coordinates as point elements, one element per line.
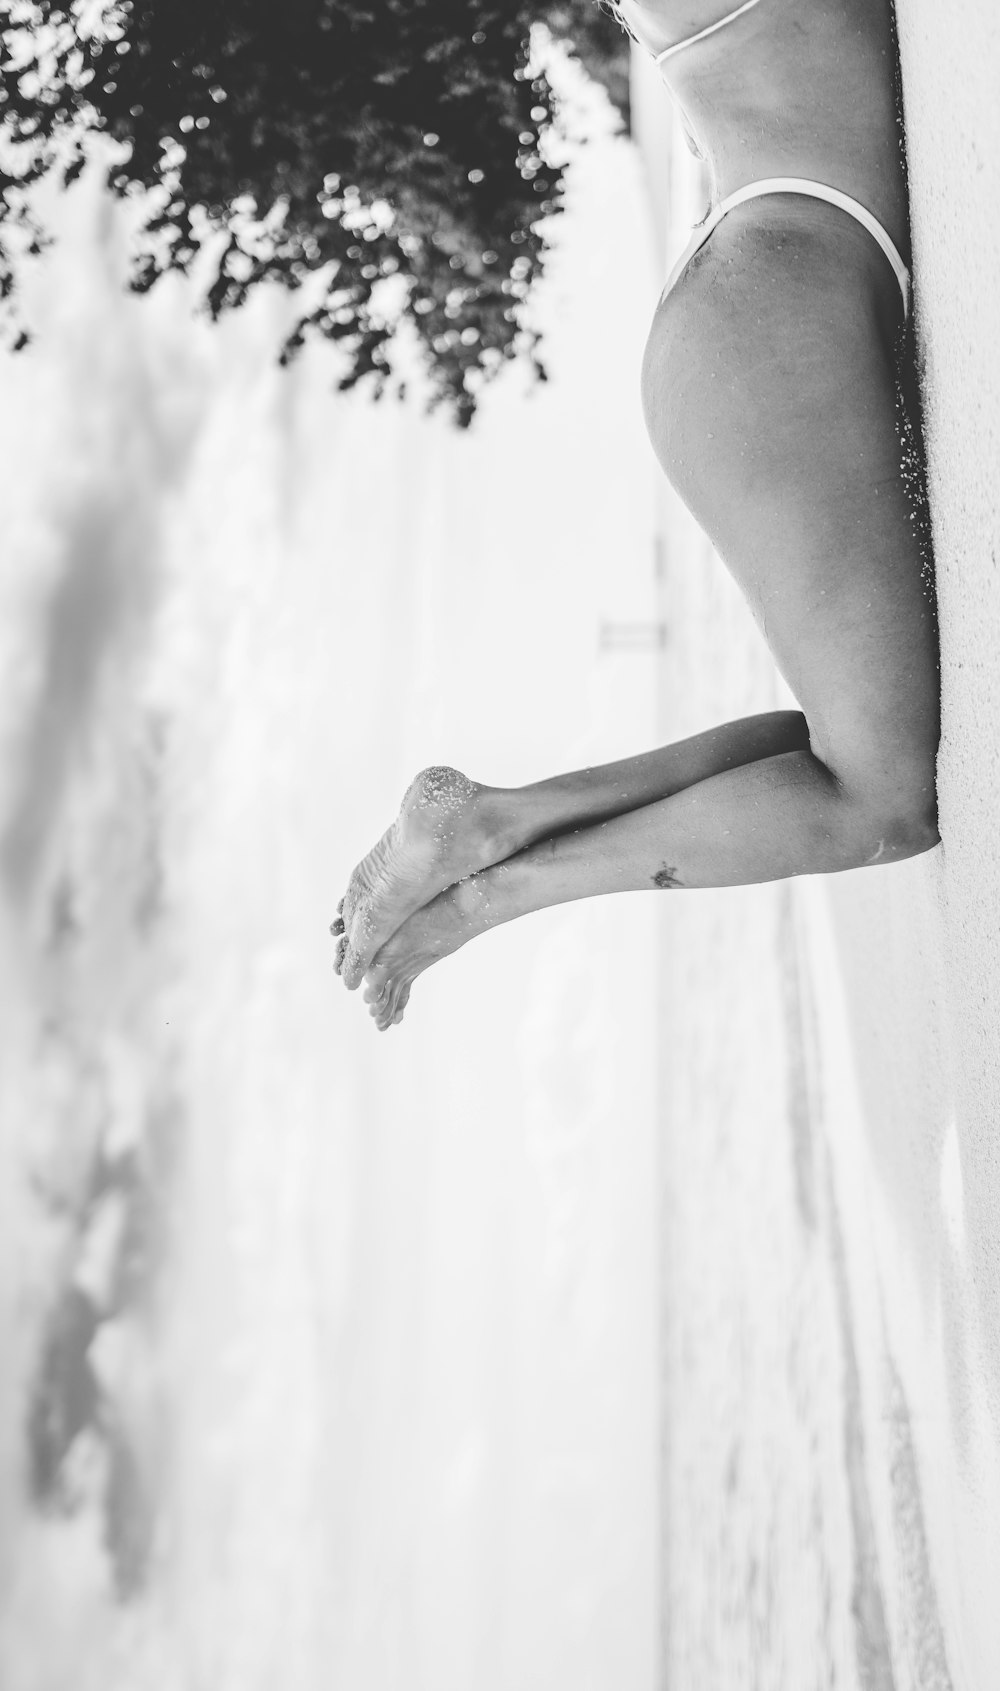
<point>905,831</point>
<point>886,777</point>
<point>896,817</point>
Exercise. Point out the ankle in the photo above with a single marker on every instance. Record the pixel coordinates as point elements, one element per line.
<point>504,823</point>
<point>477,901</point>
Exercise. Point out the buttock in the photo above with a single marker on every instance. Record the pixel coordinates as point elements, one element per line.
<point>781,332</point>
<point>791,276</point>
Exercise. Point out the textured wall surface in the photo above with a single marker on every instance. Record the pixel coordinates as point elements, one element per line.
<point>951,61</point>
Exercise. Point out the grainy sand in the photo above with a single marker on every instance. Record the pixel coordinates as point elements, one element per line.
<point>922,953</point>
<point>888,1119</point>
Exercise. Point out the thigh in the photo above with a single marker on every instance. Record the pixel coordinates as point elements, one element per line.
<point>770,390</point>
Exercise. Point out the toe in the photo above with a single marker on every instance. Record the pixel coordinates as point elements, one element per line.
<point>355,965</point>
<point>382,1011</point>
<point>340,954</point>
<point>337,926</point>
<point>360,932</point>
<point>396,1000</point>
<point>352,976</point>
<point>347,909</point>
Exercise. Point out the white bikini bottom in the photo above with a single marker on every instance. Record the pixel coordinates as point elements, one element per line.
<point>812,190</point>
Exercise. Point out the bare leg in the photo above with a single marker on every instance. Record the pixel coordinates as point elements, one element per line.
<point>770,391</point>
<point>783,815</point>
<point>449,827</point>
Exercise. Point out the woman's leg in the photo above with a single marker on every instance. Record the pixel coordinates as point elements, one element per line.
<point>784,815</point>
<point>449,827</point>
<point>771,398</point>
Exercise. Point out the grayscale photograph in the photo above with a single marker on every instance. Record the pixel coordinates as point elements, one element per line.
<point>462,463</point>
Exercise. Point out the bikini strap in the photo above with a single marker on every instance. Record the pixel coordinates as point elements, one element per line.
<point>678,47</point>
<point>815,191</point>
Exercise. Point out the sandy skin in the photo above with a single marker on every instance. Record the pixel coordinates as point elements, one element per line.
<point>648,823</point>
<point>447,828</point>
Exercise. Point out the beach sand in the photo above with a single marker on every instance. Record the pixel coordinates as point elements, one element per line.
<point>923,961</point>
<point>862,1184</point>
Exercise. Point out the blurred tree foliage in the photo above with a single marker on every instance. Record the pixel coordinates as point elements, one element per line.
<point>396,147</point>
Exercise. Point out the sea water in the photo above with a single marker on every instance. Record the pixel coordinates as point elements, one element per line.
<point>328,1357</point>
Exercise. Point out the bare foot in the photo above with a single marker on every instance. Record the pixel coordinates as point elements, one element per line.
<point>433,932</point>
<point>448,827</point>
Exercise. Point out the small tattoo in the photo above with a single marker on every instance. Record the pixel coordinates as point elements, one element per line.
<point>666,877</point>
